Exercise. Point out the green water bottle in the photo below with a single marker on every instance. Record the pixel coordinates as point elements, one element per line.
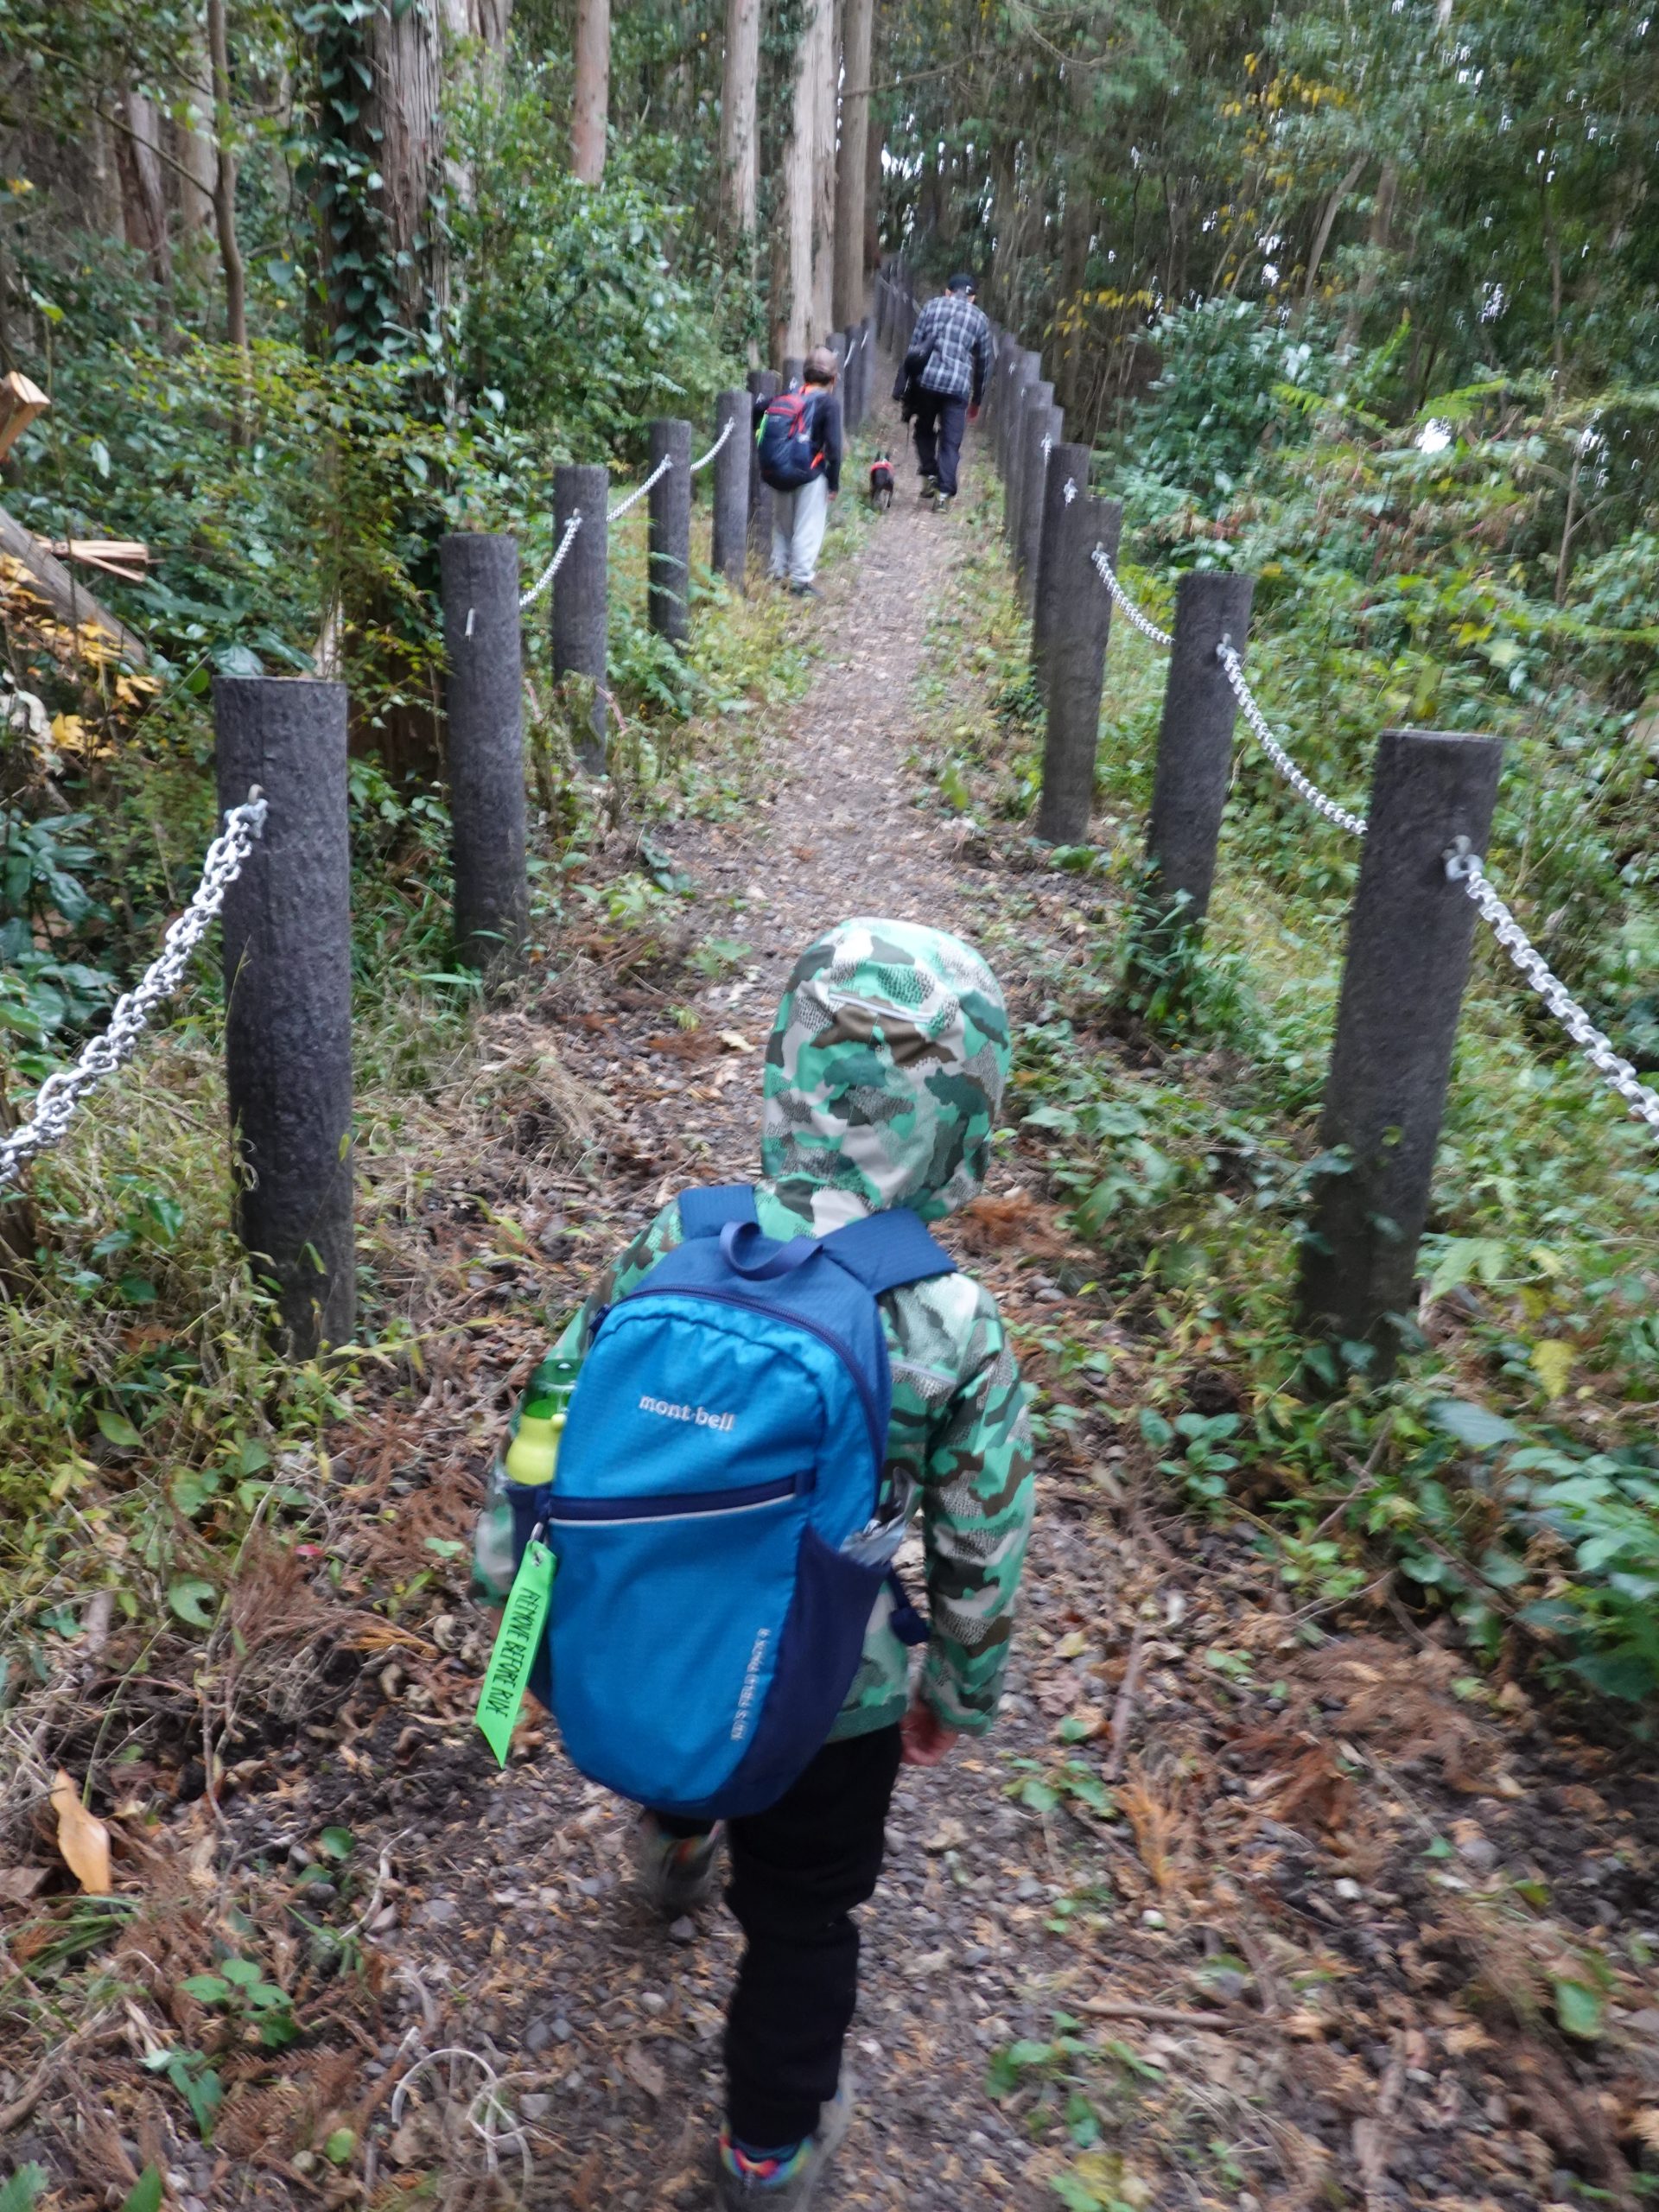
<point>533,1456</point>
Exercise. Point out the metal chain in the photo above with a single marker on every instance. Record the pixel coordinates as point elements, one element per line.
<point>1121,601</point>
<point>573,523</point>
<point>61,1094</point>
<point>1303,785</point>
<point>1464,866</point>
<point>725,432</point>
<point>1070,489</point>
<point>634,498</point>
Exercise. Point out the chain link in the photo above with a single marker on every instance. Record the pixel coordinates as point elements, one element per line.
<point>1465,867</point>
<point>573,523</point>
<point>1125,605</point>
<point>1070,489</point>
<point>726,431</point>
<point>1303,785</point>
<point>61,1094</point>
<point>634,497</point>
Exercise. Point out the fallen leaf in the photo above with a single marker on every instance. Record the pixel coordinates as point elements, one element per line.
<point>735,1041</point>
<point>19,1884</point>
<point>84,1841</point>
<point>645,2071</point>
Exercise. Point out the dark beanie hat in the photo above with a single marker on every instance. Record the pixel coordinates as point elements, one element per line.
<point>962,282</point>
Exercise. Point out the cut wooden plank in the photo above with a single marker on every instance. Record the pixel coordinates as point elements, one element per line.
<point>48,581</point>
<point>126,557</point>
<point>20,403</point>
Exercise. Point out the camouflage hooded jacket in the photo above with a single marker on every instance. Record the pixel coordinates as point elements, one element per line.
<point>884,1072</point>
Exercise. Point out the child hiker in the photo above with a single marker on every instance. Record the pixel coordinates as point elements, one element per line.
<point>694,1508</point>
<point>799,436</point>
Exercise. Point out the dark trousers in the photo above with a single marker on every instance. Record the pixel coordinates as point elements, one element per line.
<point>940,421</point>
<point>797,1871</point>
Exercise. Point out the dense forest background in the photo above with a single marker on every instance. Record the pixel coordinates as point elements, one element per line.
<point>1364,299</point>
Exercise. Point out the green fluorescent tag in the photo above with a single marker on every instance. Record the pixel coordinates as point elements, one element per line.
<point>516,1646</point>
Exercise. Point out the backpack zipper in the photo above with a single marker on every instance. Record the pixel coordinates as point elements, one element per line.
<point>683,1506</point>
<point>837,1344</point>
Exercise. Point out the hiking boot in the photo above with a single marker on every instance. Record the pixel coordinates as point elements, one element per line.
<point>930,488</point>
<point>676,1872</point>
<point>944,502</point>
<point>805,591</point>
<point>784,2184</point>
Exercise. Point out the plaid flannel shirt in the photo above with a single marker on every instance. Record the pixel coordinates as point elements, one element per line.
<point>950,348</point>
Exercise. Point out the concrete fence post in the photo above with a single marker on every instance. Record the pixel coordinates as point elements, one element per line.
<point>1045,428</point>
<point>1076,629</point>
<point>288,1001</point>
<point>728,547</point>
<point>483,714</point>
<point>763,384</point>
<point>668,595</point>
<point>1036,397</point>
<point>1409,942</point>
<point>1067,465</point>
<point>581,600</point>
<point>1195,744</point>
<point>1022,377</point>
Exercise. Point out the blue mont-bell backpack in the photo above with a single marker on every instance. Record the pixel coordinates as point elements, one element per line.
<point>724,1447</point>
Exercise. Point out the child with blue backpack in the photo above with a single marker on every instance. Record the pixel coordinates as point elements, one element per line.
<point>798,440</point>
<point>775,1379</point>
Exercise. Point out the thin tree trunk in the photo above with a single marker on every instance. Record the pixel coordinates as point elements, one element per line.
<point>874,137</point>
<point>1322,236</point>
<point>591,107</point>
<point>740,165</point>
<point>1388,188</point>
<point>851,182</point>
<point>1076,225</point>
<point>823,174</point>
<point>230,251</point>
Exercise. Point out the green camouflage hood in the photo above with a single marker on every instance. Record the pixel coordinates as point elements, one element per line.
<point>885,1071</point>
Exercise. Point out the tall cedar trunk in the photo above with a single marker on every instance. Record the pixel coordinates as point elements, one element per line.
<point>824,75</point>
<point>591,107</point>
<point>875,139</point>
<point>193,143</point>
<point>739,144</point>
<point>852,176</point>
<point>230,251</point>
<point>792,259</point>
<point>403,106</point>
<point>143,196</point>
<point>474,44</point>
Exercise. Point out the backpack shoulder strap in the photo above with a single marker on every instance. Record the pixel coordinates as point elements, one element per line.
<point>706,1212</point>
<point>886,1250</point>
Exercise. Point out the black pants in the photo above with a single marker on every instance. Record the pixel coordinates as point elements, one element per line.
<point>797,1871</point>
<point>940,421</point>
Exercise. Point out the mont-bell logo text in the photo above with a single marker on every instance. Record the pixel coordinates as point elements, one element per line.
<point>668,1411</point>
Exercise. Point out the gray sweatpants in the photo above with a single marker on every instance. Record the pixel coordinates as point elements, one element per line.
<point>797,524</point>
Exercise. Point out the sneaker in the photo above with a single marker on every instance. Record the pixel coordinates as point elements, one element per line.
<point>805,591</point>
<point>943,503</point>
<point>676,1872</point>
<point>930,488</point>
<point>784,2183</point>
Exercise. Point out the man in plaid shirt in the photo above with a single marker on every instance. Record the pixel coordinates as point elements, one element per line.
<point>942,380</point>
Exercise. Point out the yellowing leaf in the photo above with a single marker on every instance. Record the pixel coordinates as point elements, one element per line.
<point>735,1041</point>
<point>83,1841</point>
<point>1552,1363</point>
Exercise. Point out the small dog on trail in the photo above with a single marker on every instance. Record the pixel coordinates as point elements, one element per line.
<point>881,483</point>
